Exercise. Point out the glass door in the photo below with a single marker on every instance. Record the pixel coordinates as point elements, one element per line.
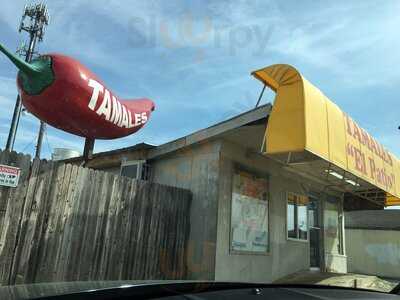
<point>314,222</point>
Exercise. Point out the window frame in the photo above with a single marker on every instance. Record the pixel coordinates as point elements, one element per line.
<point>127,163</point>
<point>297,239</point>
<point>237,168</point>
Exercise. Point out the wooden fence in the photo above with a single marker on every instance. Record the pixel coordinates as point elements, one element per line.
<point>68,223</point>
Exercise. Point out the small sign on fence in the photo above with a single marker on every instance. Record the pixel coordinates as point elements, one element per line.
<point>9,176</point>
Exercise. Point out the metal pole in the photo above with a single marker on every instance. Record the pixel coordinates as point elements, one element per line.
<point>39,18</point>
<point>42,128</point>
<point>18,103</point>
<point>259,98</point>
<point>14,125</point>
<point>88,149</point>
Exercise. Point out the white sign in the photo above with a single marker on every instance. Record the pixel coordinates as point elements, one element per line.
<point>9,176</point>
<point>249,224</point>
<point>249,214</point>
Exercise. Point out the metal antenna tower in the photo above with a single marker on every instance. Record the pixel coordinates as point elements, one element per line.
<point>34,19</point>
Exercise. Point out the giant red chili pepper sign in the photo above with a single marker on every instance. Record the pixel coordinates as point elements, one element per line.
<point>65,94</point>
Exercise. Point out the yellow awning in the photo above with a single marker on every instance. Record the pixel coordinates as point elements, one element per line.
<point>304,119</point>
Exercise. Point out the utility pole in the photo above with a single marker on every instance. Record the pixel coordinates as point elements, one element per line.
<point>39,142</point>
<point>35,26</point>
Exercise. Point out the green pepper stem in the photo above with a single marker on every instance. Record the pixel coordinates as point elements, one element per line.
<point>22,65</point>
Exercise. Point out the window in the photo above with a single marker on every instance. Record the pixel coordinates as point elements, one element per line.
<point>136,169</point>
<point>297,219</point>
<point>249,213</point>
<point>130,170</point>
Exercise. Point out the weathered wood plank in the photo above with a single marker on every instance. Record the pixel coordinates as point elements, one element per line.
<point>58,223</point>
<point>21,255</point>
<point>67,222</point>
<point>33,217</point>
<point>47,256</point>
<point>133,244</point>
<point>11,208</point>
<point>65,226</point>
<point>87,248</point>
<point>107,182</point>
<point>77,224</point>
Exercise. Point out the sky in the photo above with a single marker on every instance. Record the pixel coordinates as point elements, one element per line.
<point>194,59</point>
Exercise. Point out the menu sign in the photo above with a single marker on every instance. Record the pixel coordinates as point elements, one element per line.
<point>249,215</point>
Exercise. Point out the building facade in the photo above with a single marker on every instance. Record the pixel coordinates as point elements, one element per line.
<point>269,189</point>
<point>293,234</point>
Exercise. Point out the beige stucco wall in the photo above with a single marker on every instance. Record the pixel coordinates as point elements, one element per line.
<point>286,256</point>
<point>207,171</point>
<point>195,168</point>
<point>375,252</point>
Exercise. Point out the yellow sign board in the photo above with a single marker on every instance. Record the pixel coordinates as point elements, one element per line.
<point>299,199</point>
<point>303,118</point>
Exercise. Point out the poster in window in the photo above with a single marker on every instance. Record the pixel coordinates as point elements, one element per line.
<point>249,219</point>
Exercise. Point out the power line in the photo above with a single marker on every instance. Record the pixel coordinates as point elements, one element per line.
<point>28,145</point>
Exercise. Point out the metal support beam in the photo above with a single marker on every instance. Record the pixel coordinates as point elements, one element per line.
<point>88,149</point>
<point>262,93</point>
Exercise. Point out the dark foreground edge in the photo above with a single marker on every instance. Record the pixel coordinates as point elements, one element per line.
<point>203,290</point>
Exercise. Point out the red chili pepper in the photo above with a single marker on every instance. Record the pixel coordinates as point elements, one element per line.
<point>62,92</point>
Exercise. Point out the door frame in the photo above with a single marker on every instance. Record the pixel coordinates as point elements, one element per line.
<point>320,211</point>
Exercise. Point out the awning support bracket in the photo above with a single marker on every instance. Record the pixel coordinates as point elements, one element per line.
<point>261,94</point>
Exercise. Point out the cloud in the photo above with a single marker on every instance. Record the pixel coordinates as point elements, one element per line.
<point>200,74</point>
<point>8,87</point>
<point>337,38</point>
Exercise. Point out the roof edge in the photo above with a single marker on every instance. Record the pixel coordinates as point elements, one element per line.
<point>237,121</point>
